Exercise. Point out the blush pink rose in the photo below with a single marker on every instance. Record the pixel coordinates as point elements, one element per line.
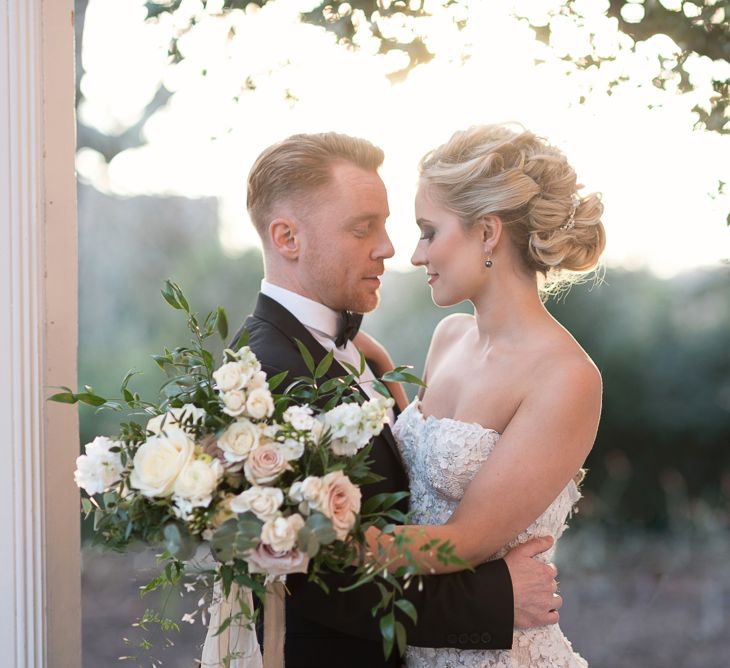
<point>264,559</point>
<point>265,463</point>
<point>340,501</point>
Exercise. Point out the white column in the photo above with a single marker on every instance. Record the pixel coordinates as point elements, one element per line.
<point>39,548</point>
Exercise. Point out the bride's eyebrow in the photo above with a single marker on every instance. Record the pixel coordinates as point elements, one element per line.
<point>423,221</point>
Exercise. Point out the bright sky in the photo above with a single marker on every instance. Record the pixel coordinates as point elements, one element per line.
<point>656,175</point>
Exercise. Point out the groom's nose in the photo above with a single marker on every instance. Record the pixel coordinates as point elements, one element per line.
<point>384,247</point>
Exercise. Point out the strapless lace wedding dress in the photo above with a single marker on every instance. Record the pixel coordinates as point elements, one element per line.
<point>441,456</point>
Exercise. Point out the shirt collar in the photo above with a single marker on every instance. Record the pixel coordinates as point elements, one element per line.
<point>310,313</point>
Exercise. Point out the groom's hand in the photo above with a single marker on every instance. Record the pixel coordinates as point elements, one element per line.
<point>534,585</point>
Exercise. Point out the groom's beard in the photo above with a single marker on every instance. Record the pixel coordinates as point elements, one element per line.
<point>342,286</point>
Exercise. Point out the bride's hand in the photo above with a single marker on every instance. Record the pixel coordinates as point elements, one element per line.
<point>380,362</point>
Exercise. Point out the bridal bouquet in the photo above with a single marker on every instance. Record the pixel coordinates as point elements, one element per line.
<point>269,482</point>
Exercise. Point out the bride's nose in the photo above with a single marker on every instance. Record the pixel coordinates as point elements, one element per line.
<point>418,259</point>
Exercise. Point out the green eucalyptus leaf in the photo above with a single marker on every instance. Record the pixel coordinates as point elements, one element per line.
<point>178,541</point>
<point>169,295</point>
<point>179,296</point>
<point>330,385</point>
<point>64,398</point>
<point>408,608</point>
<point>382,502</point>
<point>387,630</point>
<point>399,375</point>
<point>221,323</point>
<point>321,527</point>
<point>91,399</point>
<point>324,366</point>
<point>277,380</point>
<point>86,506</point>
<point>234,538</point>
<point>400,637</point>
<point>306,355</point>
<point>307,541</point>
<point>161,360</point>
<point>381,387</point>
<point>242,340</point>
<point>353,371</point>
<point>129,375</point>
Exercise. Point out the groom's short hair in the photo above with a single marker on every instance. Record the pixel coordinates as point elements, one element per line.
<point>295,167</point>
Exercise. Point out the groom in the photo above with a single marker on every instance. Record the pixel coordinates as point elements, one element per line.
<point>320,208</point>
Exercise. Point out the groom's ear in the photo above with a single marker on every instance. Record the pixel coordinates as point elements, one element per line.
<point>283,235</point>
<point>490,230</point>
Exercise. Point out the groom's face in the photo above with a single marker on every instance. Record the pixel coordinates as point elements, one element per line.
<point>343,240</point>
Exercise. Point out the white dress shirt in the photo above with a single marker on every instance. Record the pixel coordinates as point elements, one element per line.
<point>322,322</point>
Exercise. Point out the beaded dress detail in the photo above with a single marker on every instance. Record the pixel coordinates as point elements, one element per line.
<point>441,456</point>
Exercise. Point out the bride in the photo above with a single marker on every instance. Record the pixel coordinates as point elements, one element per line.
<point>494,446</point>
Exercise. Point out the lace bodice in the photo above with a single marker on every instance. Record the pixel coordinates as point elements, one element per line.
<point>441,456</point>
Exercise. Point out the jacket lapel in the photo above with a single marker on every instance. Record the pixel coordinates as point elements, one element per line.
<point>275,314</point>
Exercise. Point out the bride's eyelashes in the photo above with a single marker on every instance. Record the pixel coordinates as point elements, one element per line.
<point>427,233</point>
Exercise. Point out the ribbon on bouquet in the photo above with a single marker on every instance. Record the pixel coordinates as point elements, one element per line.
<point>237,646</point>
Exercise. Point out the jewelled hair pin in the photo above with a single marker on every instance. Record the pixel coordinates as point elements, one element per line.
<point>570,223</point>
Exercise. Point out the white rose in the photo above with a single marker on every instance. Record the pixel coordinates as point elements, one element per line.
<point>281,532</point>
<point>264,502</point>
<point>265,463</point>
<point>159,461</point>
<point>247,359</point>
<point>98,469</point>
<point>198,480</point>
<point>293,449</point>
<point>234,402</point>
<point>231,376</point>
<point>176,417</point>
<point>313,489</point>
<point>258,380</point>
<point>239,440</point>
<point>295,492</point>
<point>299,417</point>
<point>260,403</point>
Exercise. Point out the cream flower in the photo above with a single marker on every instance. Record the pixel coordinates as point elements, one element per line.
<point>264,502</point>
<point>99,468</point>
<point>239,440</point>
<point>299,417</point>
<point>234,402</point>
<point>280,533</point>
<point>198,480</point>
<point>159,461</point>
<point>232,376</point>
<point>260,403</point>
<point>292,448</point>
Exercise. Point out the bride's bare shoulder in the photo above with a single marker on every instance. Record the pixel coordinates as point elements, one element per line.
<point>452,327</point>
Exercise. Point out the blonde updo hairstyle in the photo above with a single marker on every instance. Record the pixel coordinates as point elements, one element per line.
<point>519,177</point>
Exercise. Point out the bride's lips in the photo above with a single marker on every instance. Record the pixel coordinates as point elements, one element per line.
<point>432,278</point>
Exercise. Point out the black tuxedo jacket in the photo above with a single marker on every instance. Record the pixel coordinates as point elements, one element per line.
<point>468,610</point>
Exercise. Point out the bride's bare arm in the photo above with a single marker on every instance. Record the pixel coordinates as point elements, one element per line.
<point>540,451</point>
<point>380,359</point>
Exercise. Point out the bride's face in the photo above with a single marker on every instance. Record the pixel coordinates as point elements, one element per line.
<point>452,254</point>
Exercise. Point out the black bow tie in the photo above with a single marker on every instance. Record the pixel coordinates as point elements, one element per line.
<point>349,326</point>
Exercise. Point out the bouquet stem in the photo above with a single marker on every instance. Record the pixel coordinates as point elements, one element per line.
<point>274,626</point>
